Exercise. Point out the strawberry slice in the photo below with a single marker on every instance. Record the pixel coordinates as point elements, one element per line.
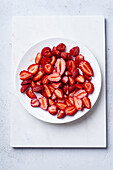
<point>55,51</point>
<point>67,73</point>
<point>26,82</point>
<point>65,79</point>
<point>43,103</point>
<point>55,77</point>
<point>61,106</point>
<point>51,102</point>
<point>61,114</point>
<point>68,102</point>
<point>38,76</point>
<point>78,103</point>
<point>71,66</point>
<point>47,91</point>
<point>46,51</point>
<point>51,88</point>
<point>38,58</point>
<point>86,102</point>
<point>33,68</point>
<point>53,97</point>
<point>87,77</point>
<point>32,84</point>
<point>53,110</point>
<point>38,88</point>
<point>24,87</point>
<point>35,103</point>
<point>59,93</point>
<point>48,68</point>
<point>88,86</point>
<point>71,80</point>
<point>80,94</point>
<point>75,72</point>
<point>66,56</point>
<point>71,100</point>
<point>60,65</point>
<point>80,79</point>
<point>61,47</point>
<point>72,93</point>
<point>78,59</point>
<point>39,82</point>
<point>74,51</point>
<point>53,60</point>
<point>45,80</point>
<point>30,94</point>
<point>66,89</point>
<point>79,86</point>
<point>57,85</point>
<point>70,110</point>
<point>45,60</point>
<point>24,75</point>
<point>86,68</point>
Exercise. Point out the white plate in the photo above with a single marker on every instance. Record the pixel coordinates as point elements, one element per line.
<point>29,58</point>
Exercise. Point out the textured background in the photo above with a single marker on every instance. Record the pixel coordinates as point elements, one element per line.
<point>57,159</point>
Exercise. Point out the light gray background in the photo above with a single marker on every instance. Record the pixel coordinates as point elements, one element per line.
<point>57,159</point>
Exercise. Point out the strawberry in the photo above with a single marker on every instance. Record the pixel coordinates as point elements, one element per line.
<point>66,56</point>
<point>33,68</point>
<point>60,65</point>
<point>51,88</point>
<point>25,75</point>
<point>61,106</point>
<point>72,88</point>
<point>43,103</point>
<point>80,94</point>
<point>53,97</point>
<point>88,86</point>
<point>26,82</point>
<point>35,103</point>
<point>38,58</point>
<point>71,80</point>
<point>71,66</point>
<point>48,68</point>
<point>24,87</point>
<point>30,94</point>
<point>45,80</point>
<point>70,110</point>
<point>68,102</point>
<point>66,89</point>
<point>87,77</point>
<point>51,102</point>
<point>71,100</point>
<point>75,72</point>
<point>38,88</point>
<point>86,102</point>
<point>43,93</point>
<point>38,76</point>
<point>47,91</point>
<point>53,109</point>
<point>57,85</point>
<point>61,114</point>
<point>61,47</point>
<point>46,51</point>
<point>32,84</point>
<point>67,73</point>
<point>39,82</point>
<point>80,78</point>
<point>86,68</point>
<point>79,86</point>
<point>72,93</point>
<point>53,60</point>
<point>45,60</point>
<point>74,51</point>
<point>78,59</point>
<point>55,77</point>
<point>59,93</point>
<point>55,51</point>
<point>78,103</point>
<point>65,79</point>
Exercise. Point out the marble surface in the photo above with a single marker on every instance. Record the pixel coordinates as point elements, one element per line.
<point>86,159</point>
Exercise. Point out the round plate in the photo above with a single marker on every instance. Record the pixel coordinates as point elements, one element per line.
<point>29,58</point>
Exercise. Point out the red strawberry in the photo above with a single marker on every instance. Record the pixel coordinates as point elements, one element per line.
<point>80,79</point>
<point>33,68</point>
<point>78,103</point>
<point>38,76</point>
<point>78,59</point>
<point>24,87</point>
<point>38,58</point>
<point>61,47</point>
<point>53,109</point>
<point>74,51</point>
<point>80,94</point>
<point>26,82</point>
<point>30,94</point>
<point>75,72</point>
<point>45,60</point>
<point>25,75</point>
<point>61,114</point>
<point>47,91</point>
<point>79,86</point>
<point>46,51</point>
<point>51,102</point>
<point>68,102</point>
<point>71,66</point>
<point>71,100</point>
<point>53,60</point>
<point>43,93</point>
<point>55,51</point>
<point>38,88</point>
<point>86,102</point>
<point>48,68</point>
<point>32,84</point>
<point>55,77</point>
<point>53,97</point>
<point>39,82</point>
<point>57,85</point>
<point>70,110</point>
<point>45,80</point>
<point>51,88</point>
<point>88,86</point>
<point>65,79</point>
<point>72,88</point>
<point>72,93</point>
<point>35,103</point>
<point>59,93</point>
<point>61,106</point>
<point>71,80</point>
<point>60,65</point>
<point>86,68</point>
<point>87,77</point>
<point>43,103</point>
<point>66,56</point>
<point>66,89</point>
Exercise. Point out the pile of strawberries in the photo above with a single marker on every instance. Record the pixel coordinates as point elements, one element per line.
<point>63,78</point>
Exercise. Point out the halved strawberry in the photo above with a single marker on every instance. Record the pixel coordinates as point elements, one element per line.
<point>48,68</point>
<point>53,60</point>
<point>24,87</point>
<point>80,78</point>
<point>71,66</point>
<point>79,86</point>
<point>30,94</point>
<point>53,109</point>
<point>65,79</point>
<point>38,58</point>
<point>26,82</point>
<point>78,59</point>
<point>72,88</point>
<point>60,65</point>
<point>80,94</point>
<point>38,76</point>
<point>68,102</point>
<point>71,80</point>
<point>74,51</point>
<point>61,106</point>
<point>38,88</point>
<point>87,77</point>
<point>66,56</point>
<point>55,51</point>
<point>32,84</point>
<point>66,89</point>
<point>45,80</point>
<point>39,82</point>
<point>53,97</point>
<point>75,72</point>
<point>86,102</point>
<point>61,47</point>
<point>51,102</point>
<point>61,114</point>
<point>43,93</point>
<point>88,86</point>
<point>57,85</point>
<point>71,100</point>
<point>33,68</point>
<point>70,110</point>
<point>24,75</point>
<point>67,73</point>
<point>35,103</point>
<point>43,103</point>
<point>47,91</point>
<point>86,68</point>
<point>51,88</point>
<point>46,51</point>
<point>59,93</point>
<point>78,103</point>
<point>55,77</point>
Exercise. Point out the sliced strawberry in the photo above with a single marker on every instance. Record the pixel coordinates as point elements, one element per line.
<point>45,80</point>
<point>61,114</point>
<point>55,51</point>
<point>53,97</point>
<point>38,58</point>
<point>53,60</point>
<point>61,106</point>
<point>60,65</point>
<point>51,102</point>
<point>80,94</point>
<point>66,89</point>
<point>45,60</point>
<point>59,93</point>
<point>65,79</point>
<point>33,68</point>
<point>78,59</point>
<point>72,93</point>
<point>35,103</point>
<point>61,47</point>
<point>24,87</point>
<point>86,68</point>
<point>43,93</point>
<point>87,77</point>
<point>55,77</point>
<point>38,88</point>
<point>74,51</point>
<point>60,100</point>
<point>71,100</point>
<point>51,88</point>
<point>72,88</point>
<point>26,82</point>
<point>71,66</point>
<point>47,91</point>
<point>79,86</point>
<point>32,84</point>
<point>88,86</point>
<point>57,85</point>
<point>53,109</point>
<point>71,80</point>
<point>30,94</point>
<point>70,110</point>
<point>39,82</point>
<point>48,68</point>
<point>86,102</point>
<point>75,72</point>
<point>66,56</point>
<point>78,103</point>
<point>68,102</point>
<point>38,76</point>
<point>67,73</point>
<point>46,51</point>
<point>43,103</point>
<point>25,75</point>
<point>80,78</point>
